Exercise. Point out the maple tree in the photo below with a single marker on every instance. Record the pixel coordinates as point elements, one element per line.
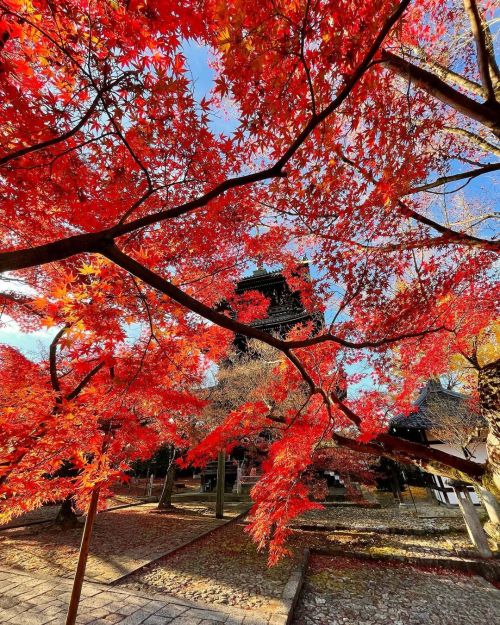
<point>129,215</point>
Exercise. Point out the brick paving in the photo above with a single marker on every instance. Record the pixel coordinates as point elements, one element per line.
<point>27,599</point>
<point>122,541</point>
<point>212,581</point>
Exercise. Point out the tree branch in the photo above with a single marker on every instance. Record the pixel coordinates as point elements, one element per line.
<point>487,113</point>
<point>91,242</point>
<point>452,236</point>
<point>66,135</point>
<point>54,380</point>
<point>445,73</point>
<point>415,453</point>
<point>113,253</point>
<point>473,138</point>
<point>449,235</point>
<point>493,66</point>
<point>483,62</point>
<point>466,175</point>
<point>384,442</point>
<point>83,383</point>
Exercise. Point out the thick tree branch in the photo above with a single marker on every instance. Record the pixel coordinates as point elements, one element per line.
<point>493,66</point>
<point>412,453</point>
<point>400,449</point>
<point>445,73</point>
<point>473,138</point>
<point>83,382</point>
<point>54,380</point>
<point>384,442</point>
<point>58,250</point>
<point>487,113</point>
<point>113,253</point>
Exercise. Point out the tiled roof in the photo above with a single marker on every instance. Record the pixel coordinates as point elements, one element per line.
<point>433,394</point>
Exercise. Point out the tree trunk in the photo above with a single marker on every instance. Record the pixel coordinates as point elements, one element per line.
<point>221,479</point>
<point>168,486</point>
<point>492,526</point>
<point>472,522</point>
<point>66,517</point>
<point>489,396</point>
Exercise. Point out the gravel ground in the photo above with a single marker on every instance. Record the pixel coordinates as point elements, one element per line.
<point>428,519</point>
<point>450,545</point>
<point>49,512</point>
<point>223,568</point>
<point>340,591</point>
<point>122,540</point>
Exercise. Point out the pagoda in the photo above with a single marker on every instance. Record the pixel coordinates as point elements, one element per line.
<point>285,310</point>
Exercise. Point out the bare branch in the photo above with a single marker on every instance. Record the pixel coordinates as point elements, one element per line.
<point>476,24</point>
<point>466,175</point>
<point>473,138</point>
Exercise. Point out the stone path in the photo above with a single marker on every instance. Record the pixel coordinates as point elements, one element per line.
<point>122,541</point>
<point>342,591</point>
<point>35,600</point>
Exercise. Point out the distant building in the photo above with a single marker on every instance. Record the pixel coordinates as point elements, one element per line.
<point>443,419</point>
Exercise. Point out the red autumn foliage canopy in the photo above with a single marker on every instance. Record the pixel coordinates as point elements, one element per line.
<point>129,210</point>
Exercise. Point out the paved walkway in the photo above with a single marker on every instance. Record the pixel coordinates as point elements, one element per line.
<point>34,600</point>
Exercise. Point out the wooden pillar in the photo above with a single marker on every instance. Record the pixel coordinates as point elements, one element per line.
<point>150,485</point>
<point>395,487</point>
<point>221,478</point>
<point>82,559</point>
<point>472,522</point>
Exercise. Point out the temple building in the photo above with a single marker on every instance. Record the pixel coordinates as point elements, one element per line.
<point>286,308</point>
<point>443,419</point>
